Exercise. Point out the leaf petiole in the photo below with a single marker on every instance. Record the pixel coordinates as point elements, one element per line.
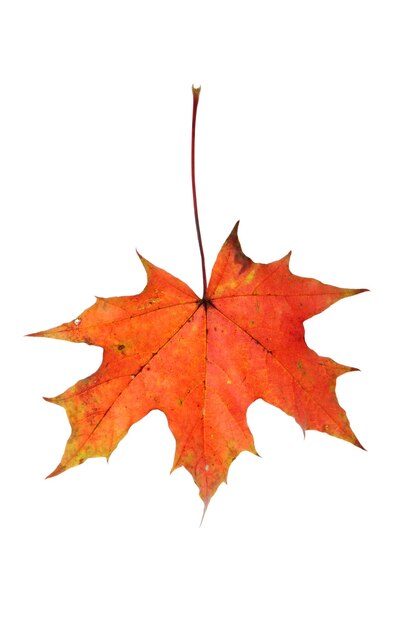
<point>196,96</point>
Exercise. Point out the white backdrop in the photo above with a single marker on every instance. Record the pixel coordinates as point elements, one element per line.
<point>307,134</point>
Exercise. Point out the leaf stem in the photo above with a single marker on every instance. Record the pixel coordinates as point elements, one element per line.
<point>196,97</point>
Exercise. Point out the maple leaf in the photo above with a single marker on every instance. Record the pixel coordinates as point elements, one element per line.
<point>203,361</point>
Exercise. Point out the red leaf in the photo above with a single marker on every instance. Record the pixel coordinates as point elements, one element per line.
<point>203,362</point>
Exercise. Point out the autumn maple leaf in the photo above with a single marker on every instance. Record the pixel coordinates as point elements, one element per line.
<point>203,361</point>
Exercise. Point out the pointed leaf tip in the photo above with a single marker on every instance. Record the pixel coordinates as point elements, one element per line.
<point>234,231</point>
<point>58,470</point>
<point>39,334</point>
<point>358,444</point>
<point>233,238</point>
<point>203,516</point>
<point>146,264</point>
<point>54,400</point>
<point>354,292</point>
<point>206,503</point>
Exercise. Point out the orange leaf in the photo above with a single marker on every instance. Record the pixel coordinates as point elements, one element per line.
<point>203,362</point>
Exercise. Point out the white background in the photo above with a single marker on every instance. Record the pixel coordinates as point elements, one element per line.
<point>307,134</point>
